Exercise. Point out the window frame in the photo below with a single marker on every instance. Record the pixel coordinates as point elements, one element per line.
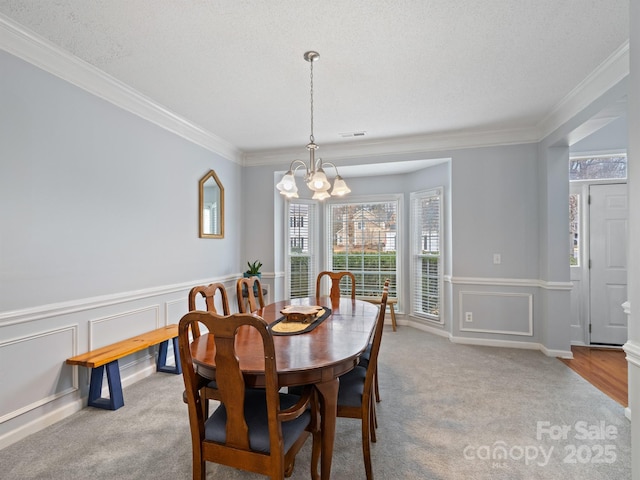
<point>313,237</point>
<point>416,253</point>
<point>359,200</point>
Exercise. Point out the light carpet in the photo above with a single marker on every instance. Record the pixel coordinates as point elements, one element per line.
<point>448,412</point>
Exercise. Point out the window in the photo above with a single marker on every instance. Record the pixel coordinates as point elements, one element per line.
<point>603,167</point>
<point>301,271</point>
<point>362,238</point>
<point>574,230</point>
<point>426,241</point>
<point>582,170</point>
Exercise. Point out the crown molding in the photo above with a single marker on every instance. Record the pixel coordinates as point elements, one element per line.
<point>398,146</point>
<point>26,45</point>
<point>610,72</point>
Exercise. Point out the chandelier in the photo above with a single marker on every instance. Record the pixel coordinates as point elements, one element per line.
<point>315,178</point>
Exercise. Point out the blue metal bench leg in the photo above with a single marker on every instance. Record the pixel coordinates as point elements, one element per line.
<point>161,366</point>
<point>116,399</point>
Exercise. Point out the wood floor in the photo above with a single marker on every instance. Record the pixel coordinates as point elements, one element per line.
<point>604,368</point>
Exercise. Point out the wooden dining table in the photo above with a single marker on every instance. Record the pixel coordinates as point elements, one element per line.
<point>317,357</point>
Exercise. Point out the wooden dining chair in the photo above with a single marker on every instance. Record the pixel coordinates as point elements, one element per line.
<point>356,391</point>
<point>259,430</point>
<point>335,277</point>
<point>208,292</point>
<point>254,295</point>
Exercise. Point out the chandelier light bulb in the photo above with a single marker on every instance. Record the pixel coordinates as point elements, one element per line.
<point>287,185</point>
<point>340,187</point>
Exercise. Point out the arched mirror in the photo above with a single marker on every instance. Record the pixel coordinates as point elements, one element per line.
<point>211,206</point>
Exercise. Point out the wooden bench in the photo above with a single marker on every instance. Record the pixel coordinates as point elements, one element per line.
<point>108,356</point>
<point>390,303</point>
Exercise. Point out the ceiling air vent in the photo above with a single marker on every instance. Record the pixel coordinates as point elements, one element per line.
<point>352,134</point>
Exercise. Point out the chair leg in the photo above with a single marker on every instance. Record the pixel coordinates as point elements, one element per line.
<point>316,438</point>
<point>393,316</point>
<point>375,379</point>
<point>199,467</point>
<point>373,421</point>
<point>316,450</point>
<point>288,471</point>
<point>366,446</point>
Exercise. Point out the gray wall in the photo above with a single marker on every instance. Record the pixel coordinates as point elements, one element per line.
<point>494,195</point>
<point>611,137</point>
<point>98,240</point>
<point>96,200</point>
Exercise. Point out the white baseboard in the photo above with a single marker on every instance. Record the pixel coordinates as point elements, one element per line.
<point>489,342</point>
<point>566,354</point>
<point>427,328</point>
<point>41,422</point>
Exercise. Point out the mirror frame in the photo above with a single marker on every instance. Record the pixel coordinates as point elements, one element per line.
<point>211,174</point>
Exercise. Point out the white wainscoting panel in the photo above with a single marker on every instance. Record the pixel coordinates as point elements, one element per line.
<point>175,310</point>
<point>106,330</point>
<point>40,376</point>
<point>496,312</point>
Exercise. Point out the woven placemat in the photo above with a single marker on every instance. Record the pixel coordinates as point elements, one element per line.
<point>282,327</point>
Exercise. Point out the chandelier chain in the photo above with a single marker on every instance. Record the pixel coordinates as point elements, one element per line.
<point>311,136</point>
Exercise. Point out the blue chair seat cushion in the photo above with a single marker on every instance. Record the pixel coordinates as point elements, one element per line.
<point>352,387</point>
<point>255,411</point>
<point>366,355</point>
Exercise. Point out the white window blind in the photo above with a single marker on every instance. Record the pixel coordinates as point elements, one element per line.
<point>301,260</point>
<point>362,239</point>
<point>426,242</point>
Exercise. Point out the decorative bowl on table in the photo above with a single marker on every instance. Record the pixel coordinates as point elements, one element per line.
<point>301,313</point>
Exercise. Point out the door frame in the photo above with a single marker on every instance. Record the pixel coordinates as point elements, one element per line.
<point>581,274</point>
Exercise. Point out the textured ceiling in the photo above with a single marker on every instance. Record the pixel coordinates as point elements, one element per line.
<point>388,67</point>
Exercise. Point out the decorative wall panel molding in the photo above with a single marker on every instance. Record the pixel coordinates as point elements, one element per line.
<point>496,312</point>
<point>55,379</point>
<point>510,282</point>
<point>113,328</point>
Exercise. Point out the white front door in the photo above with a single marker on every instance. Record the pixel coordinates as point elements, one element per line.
<point>608,260</point>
